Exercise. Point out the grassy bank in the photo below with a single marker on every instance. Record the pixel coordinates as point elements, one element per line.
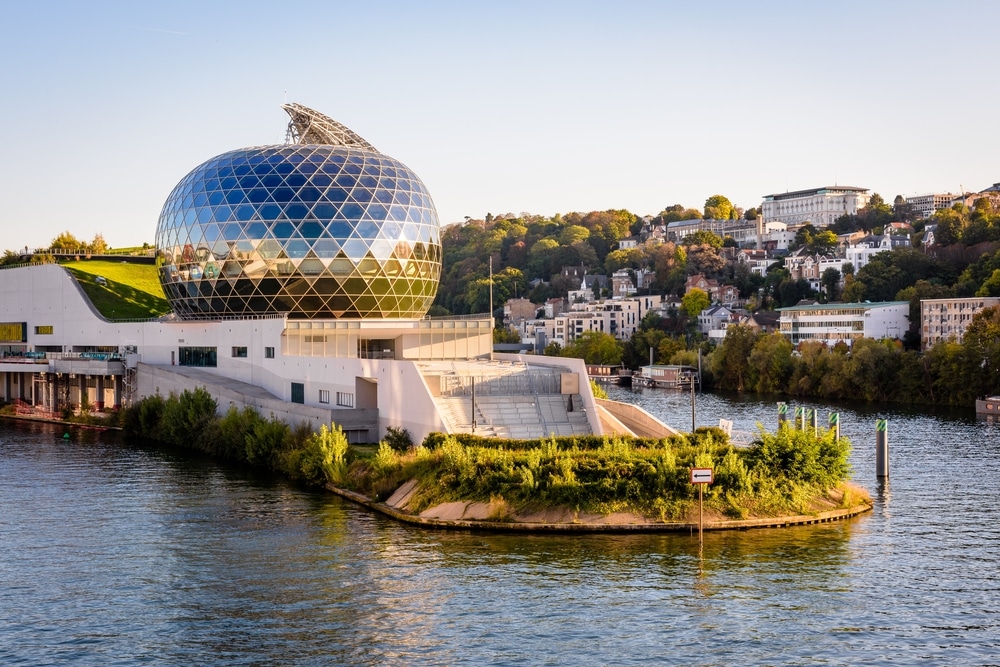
<point>783,473</point>
<point>129,291</point>
<point>788,472</point>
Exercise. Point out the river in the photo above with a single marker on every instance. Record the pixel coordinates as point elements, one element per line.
<point>119,555</point>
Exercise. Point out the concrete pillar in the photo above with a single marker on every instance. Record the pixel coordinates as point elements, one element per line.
<point>99,403</point>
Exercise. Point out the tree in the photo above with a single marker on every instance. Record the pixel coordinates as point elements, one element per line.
<point>98,246</point>
<point>705,259</point>
<point>67,242</point>
<point>595,347</point>
<point>770,363</point>
<point>831,283</point>
<point>991,287</point>
<point>718,207</point>
<point>823,242</point>
<point>730,361</point>
<point>572,233</point>
<point>703,237</point>
<point>677,212</point>
<point>951,224</point>
<point>695,301</point>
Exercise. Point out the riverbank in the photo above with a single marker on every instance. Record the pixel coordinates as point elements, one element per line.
<point>471,515</point>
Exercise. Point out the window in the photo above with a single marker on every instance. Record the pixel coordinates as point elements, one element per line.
<point>324,395</point>
<point>43,330</point>
<point>240,352</point>
<point>269,353</point>
<point>198,356</point>
<point>298,393</point>
<point>345,399</point>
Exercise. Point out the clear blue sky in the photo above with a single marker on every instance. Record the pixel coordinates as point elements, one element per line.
<point>538,107</point>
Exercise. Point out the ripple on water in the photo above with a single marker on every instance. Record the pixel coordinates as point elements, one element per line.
<point>122,556</point>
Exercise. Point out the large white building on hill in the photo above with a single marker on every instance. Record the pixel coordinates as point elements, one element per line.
<point>820,206</point>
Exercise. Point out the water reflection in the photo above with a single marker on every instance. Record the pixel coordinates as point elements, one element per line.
<point>126,555</point>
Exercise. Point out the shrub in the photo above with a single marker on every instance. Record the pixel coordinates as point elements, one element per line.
<point>264,441</point>
<point>398,438</point>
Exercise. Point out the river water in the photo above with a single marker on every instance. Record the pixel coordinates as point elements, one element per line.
<point>118,555</point>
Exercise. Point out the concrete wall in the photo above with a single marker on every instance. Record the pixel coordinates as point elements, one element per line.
<point>637,420</point>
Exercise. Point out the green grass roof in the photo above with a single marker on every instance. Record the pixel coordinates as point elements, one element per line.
<point>131,291</point>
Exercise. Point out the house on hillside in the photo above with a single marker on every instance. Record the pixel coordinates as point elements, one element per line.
<point>714,318</point>
<point>861,252</point>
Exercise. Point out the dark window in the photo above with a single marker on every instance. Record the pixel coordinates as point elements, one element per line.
<point>240,352</point>
<point>298,393</point>
<point>197,356</point>
<point>269,353</point>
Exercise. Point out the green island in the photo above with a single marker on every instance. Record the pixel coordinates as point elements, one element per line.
<point>596,483</point>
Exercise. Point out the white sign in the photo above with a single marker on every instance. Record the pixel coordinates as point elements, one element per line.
<point>701,476</point>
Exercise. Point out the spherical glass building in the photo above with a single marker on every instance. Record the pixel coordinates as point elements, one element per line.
<point>322,227</point>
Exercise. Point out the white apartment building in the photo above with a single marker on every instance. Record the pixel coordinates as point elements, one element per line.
<point>618,317</point>
<point>832,323</point>
<point>820,206</point>
<point>923,206</point>
<point>948,319</point>
<point>861,252</point>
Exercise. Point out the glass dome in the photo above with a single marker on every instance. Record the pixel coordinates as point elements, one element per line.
<point>312,230</point>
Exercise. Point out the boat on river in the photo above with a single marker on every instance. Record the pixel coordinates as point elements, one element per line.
<point>988,407</point>
<point>662,375</point>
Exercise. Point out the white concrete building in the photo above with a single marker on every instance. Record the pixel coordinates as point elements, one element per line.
<point>861,252</point>
<point>948,319</point>
<point>923,206</point>
<point>57,352</point>
<point>832,323</point>
<point>820,206</point>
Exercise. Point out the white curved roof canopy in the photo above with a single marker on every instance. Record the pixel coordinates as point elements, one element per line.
<point>307,126</point>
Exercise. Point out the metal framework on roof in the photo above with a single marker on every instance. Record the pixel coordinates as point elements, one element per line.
<point>307,126</point>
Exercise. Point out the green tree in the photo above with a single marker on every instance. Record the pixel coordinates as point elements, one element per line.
<point>595,347</point>
<point>695,301</point>
<point>718,207</point>
<point>703,237</point>
<point>991,287</point>
<point>66,242</point>
<point>572,233</point>
<point>730,361</point>
<point>831,283</point>
<point>770,363</point>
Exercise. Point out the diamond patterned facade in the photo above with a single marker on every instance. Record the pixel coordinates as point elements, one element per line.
<point>312,230</point>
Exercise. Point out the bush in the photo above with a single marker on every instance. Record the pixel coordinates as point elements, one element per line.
<point>185,417</point>
<point>398,438</point>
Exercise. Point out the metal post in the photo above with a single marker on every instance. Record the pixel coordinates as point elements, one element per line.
<point>701,516</point>
<point>692,402</point>
<point>813,415</point>
<point>782,413</point>
<point>798,416</point>
<point>882,448</point>
<point>834,421</point>
<point>473,403</point>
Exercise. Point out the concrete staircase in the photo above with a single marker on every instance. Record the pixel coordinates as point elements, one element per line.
<point>512,400</point>
<point>517,416</point>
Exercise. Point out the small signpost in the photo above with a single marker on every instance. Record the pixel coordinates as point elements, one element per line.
<point>701,477</point>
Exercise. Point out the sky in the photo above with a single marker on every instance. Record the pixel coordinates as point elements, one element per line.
<point>500,107</point>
